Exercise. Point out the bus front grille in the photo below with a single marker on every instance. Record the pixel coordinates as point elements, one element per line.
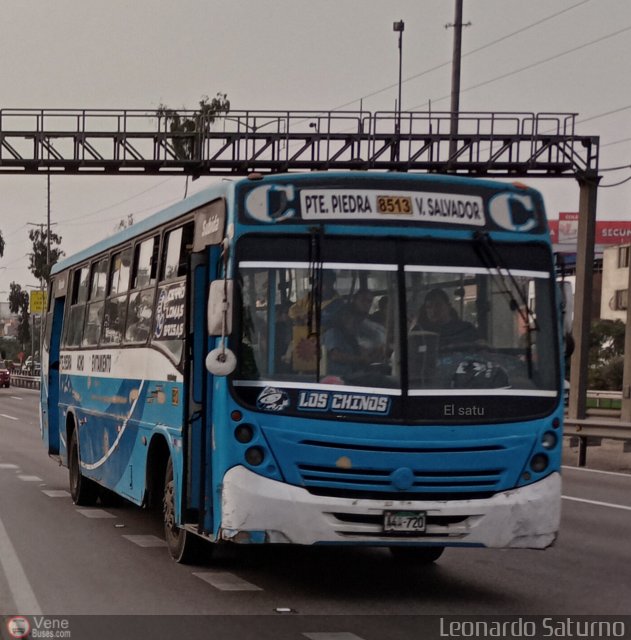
<point>326,480</point>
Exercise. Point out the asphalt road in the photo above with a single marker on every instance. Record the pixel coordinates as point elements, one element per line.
<point>60,560</point>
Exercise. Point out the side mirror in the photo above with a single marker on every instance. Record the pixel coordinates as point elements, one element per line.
<point>569,344</point>
<point>219,310</point>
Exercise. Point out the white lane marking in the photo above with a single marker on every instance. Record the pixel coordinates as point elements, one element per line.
<point>95,513</point>
<point>597,503</point>
<point>225,581</point>
<point>146,541</point>
<point>332,635</point>
<point>16,397</point>
<point>30,478</point>
<point>607,473</point>
<point>4,415</point>
<point>21,590</point>
<point>56,493</point>
<point>8,465</point>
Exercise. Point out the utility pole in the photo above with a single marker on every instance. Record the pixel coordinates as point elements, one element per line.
<point>399,27</point>
<point>455,76</point>
<point>48,218</point>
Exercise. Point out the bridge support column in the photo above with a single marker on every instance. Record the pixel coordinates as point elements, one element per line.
<point>583,293</point>
<point>625,414</point>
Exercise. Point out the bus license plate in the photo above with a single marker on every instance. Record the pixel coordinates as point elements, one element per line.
<point>404,521</point>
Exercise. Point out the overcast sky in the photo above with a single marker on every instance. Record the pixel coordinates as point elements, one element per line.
<point>562,56</point>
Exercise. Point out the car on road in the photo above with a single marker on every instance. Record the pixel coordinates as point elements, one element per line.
<point>5,377</point>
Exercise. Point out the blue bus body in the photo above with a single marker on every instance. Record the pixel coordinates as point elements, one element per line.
<point>413,441</point>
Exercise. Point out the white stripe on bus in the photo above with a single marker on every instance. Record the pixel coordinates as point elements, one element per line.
<point>95,465</point>
<point>343,266</point>
<point>475,270</point>
<point>314,385</point>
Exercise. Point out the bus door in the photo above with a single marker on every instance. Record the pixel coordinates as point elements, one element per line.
<point>198,437</point>
<point>50,404</point>
<point>197,461</point>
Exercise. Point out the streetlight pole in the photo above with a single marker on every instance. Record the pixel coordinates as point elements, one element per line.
<point>399,27</point>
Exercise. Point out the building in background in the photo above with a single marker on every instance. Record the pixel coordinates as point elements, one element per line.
<point>610,235</point>
<point>615,289</point>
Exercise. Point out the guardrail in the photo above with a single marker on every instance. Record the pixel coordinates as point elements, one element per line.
<point>25,382</point>
<point>604,397</point>
<point>595,427</point>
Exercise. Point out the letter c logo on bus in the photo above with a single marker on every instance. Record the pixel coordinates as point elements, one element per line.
<point>512,211</point>
<point>270,202</point>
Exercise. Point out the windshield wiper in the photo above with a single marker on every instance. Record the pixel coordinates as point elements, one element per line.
<point>494,263</point>
<point>314,311</point>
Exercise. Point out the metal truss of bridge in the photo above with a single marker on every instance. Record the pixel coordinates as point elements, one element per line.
<point>149,142</point>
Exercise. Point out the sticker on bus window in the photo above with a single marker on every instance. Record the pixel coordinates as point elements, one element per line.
<point>272,399</point>
<point>170,312</point>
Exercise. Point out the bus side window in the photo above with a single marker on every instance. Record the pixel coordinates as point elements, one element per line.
<point>141,298</point>
<point>177,246</point>
<point>94,315</point>
<point>73,328</point>
<point>116,303</point>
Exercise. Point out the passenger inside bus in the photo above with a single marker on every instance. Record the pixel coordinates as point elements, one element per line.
<point>436,314</point>
<point>344,352</point>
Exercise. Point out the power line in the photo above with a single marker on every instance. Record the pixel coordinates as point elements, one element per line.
<point>602,115</point>
<point>152,208</point>
<point>534,64</point>
<point>614,184</point>
<point>116,204</point>
<point>624,166</point>
<point>464,55</point>
<point>609,144</point>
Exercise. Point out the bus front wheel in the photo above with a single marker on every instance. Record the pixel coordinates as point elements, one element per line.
<point>182,544</point>
<point>417,555</point>
<point>84,491</point>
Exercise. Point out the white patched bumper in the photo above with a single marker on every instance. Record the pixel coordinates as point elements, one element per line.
<point>257,509</point>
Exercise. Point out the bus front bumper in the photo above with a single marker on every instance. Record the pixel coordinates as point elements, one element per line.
<point>259,510</point>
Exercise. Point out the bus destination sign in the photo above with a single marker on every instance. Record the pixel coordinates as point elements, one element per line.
<point>450,208</point>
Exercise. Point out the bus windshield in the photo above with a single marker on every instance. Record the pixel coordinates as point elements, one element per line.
<point>418,321</point>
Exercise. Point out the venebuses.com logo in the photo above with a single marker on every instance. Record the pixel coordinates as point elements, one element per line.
<point>18,627</point>
<point>37,627</point>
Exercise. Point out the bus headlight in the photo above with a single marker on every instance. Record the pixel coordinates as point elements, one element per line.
<point>244,433</point>
<point>549,440</point>
<point>539,462</point>
<point>254,456</point>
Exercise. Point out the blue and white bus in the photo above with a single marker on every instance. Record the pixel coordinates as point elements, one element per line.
<point>323,358</point>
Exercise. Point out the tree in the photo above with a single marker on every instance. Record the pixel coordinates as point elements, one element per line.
<point>41,261</point>
<point>192,124</point>
<point>606,349</point>
<point>19,303</point>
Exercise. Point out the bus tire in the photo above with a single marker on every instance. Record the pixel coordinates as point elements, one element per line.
<point>84,492</point>
<point>417,555</point>
<point>183,545</point>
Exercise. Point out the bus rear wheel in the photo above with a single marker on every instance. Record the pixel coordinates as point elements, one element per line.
<point>84,492</point>
<point>417,555</point>
<point>183,545</point>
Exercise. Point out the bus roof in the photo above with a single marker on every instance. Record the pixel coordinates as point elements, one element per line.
<point>222,189</point>
<point>153,221</point>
